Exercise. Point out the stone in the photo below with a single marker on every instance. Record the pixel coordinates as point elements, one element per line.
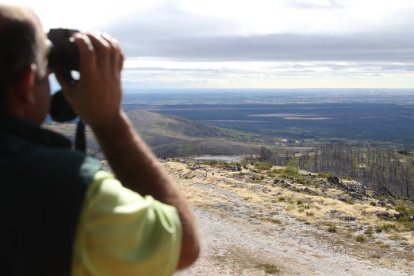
<point>384,215</point>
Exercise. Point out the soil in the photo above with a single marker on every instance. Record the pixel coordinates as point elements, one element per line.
<point>241,237</point>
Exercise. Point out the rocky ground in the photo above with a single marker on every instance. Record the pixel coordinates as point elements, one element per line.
<point>255,222</point>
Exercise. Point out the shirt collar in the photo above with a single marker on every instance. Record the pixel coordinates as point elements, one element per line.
<point>32,133</point>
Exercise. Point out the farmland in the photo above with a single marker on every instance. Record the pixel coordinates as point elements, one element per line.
<point>382,118</point>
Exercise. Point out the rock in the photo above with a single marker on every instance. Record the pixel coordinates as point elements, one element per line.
<point>384,215</point>
<point>347,218</point>
<point>333,180</point>
<point>266,190</point>
<point>391,202</point>
<point>285,185</point>
<point>309,191</point>
<point>334,213</point>
<point>345,199</point>
<point>356,195</point>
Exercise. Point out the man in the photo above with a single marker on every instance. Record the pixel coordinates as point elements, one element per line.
<point>61,214</point>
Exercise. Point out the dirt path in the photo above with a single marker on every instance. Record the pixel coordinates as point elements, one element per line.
<point>230,248</point>
<point>237,241</point>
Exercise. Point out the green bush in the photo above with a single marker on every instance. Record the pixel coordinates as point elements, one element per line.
<point>405,212</point>
<point>263,166</point>
<point>324,174</point>
<point>405,216</point>
<point>291,171</point>
<point>360,238</point>
<point>332,228</point>
<point>386,227</point>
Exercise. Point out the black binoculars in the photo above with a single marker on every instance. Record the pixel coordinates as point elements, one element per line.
<point>63,53</point>
<point>63,58</point>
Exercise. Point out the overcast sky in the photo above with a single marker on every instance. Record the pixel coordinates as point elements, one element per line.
<point>249,44</point>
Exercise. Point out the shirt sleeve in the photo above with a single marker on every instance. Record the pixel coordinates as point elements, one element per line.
<point>122,233</point>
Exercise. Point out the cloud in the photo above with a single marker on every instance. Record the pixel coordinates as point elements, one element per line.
<point>317,4</point>
<point>182,33</point>
<point>386,47</point>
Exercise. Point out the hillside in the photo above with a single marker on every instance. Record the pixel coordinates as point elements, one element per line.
<point>171,136</point>
<point>263,220</point>
<point>158,129</point>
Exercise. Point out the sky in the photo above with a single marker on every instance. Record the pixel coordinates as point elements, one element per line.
<point>250,44</point>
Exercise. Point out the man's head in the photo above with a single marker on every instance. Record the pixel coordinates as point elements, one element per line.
<point>24,84</point>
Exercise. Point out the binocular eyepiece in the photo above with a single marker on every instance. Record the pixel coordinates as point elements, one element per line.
<point>63,53</point>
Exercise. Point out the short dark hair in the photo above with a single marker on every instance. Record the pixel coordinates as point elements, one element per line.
<point>18,49</point>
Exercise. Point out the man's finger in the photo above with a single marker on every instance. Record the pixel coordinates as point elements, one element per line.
<point>87,55</point>
<point>103,49</point>
<point>64,78</point>
<point>115,50</point>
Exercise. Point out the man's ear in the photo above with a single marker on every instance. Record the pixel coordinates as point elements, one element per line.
<point>24,88</point>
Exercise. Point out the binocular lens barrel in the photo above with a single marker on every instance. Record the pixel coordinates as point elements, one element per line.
<point>63,53</point>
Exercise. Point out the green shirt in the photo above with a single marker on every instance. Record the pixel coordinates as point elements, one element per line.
<point>122,233</point>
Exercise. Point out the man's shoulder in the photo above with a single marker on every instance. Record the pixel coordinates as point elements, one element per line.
<point>54,163</point>
<point>67,163</point>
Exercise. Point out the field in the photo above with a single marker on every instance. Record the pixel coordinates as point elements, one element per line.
<point>374,123</point>
<point>358,116</point>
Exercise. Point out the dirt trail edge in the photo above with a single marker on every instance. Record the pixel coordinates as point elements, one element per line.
<point>230,248</point>
<point>237,241</point>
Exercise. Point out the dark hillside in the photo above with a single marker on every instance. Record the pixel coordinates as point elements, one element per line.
<point>174,136</point>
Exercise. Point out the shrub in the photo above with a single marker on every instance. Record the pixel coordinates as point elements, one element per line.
<point>324,174</point>
<point>263,166</point>
<point>269,268</point>
<point>386,227</point>
<point>405,212</point>
<point>405,217</point>
<point>360,238</point>
<point>369,231</point>
<point>332,228</point>
<point>291,171</point>
<point>273,220</point>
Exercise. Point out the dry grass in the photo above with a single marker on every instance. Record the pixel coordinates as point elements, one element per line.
<point>312,209</point>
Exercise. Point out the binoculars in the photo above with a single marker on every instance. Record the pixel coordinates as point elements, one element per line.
<point>63,58</point>
<point>63,53</point>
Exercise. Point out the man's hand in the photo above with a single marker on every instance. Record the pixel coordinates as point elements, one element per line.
<point>96,97</point>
